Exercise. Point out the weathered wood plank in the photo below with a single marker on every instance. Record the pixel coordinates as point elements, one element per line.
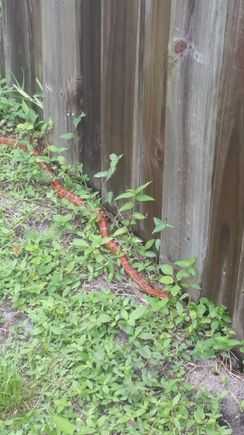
<point>153,75</point>
<point>120,89</point>
<point>238,309</point>
<point>61,69</point>
<point>36,44</point>
<point>22,41</point>
<point>2,62</point>
<point>224,280</point>
<point>90,55</point>
<point>195,62</point>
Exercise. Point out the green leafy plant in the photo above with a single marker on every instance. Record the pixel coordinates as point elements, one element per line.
<point>77,120</point>
<point>131,198</point>
<point>17,116</point>
<point>36,99</point>
<point>107,174</point>
<point>101,363</point>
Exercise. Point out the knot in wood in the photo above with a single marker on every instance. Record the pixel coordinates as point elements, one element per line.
<point>180,46</point>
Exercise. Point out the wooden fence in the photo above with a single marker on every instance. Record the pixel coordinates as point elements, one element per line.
<point>163,83</point>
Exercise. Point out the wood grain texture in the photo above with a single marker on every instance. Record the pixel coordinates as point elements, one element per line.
<point>2,61</point>
<point>224,277</point>
<point>194,69</point>
<point>153,103</point>
<point>22,41</point>
<point>36,47</point>
<point>90,58</point>
<point>120,89</point>
<point>61,69</point>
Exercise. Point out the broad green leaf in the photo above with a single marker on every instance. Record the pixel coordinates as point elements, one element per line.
<point>176,399</point>
<point>167,269</point>
<point>80,243</point>
<point>181,274</point>
<point>54,149</point>
<point>157,244</point>
<point>101,421</point>
<point>149,244</point>
<point>64,425</point>
<point>160,225</point>
<point>147,336</point>
<point>186,263</point>
<point>104,318</point>
<point>101,174</point>
<point>120,231</point>
<point>175,290</point>
<point>150,254</point>
<point>138,216</point>
<point>142,187</point>
<point>114,158</point>
<point>145,352</point>
<point>127,206</point>
<point>142,197</point>
<point>136,314</point>
<point>107,174</point>
<point>67,136</point>
<point>166,279</point>
<point>78,119</point>
<point>127,194</point>
<point>25,126</point>
<point>195,286</point>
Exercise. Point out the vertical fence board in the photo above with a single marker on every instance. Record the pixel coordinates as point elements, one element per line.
<point>119,88</point>
<point>238,309</point>
<point>36,45</point>
<point>21,21</point>
<point>155,59</point>
<point>195,61</point>
<point>224,273</point>
<point>2,62</point>
<point>90,55</point>
<point>61,69</point>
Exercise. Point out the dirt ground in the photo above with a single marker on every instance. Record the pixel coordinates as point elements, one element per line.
<point>217,376</point>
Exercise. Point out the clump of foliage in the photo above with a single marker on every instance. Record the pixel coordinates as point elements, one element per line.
<point>97,363</point>
<point>17,114</point>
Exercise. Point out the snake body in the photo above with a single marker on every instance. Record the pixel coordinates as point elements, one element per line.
<point>101,222</point>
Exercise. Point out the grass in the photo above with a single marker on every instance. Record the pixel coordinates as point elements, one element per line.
<point>15,391</point>
<point>99,363</point>
<point>80,361</point>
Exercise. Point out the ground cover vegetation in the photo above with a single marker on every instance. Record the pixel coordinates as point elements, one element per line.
<point>75,360</point>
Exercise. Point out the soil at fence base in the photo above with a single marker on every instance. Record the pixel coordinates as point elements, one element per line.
<point>215,377</point>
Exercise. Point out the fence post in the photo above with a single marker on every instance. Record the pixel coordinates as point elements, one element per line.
<point>61,70</point>
<point>224,277</point>
<point>194,69</point>
<point>21,32</point>
<point>2,61</point>
<point>120,110</point>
